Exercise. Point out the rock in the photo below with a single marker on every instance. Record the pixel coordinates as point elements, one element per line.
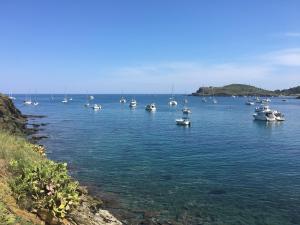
<point>89,212</point>
<point>11,119</point>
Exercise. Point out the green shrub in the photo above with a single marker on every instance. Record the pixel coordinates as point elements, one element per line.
<point>46,185</point>
<point>5,216</point>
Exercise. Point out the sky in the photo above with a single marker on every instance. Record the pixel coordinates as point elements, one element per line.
<point>135,46</point>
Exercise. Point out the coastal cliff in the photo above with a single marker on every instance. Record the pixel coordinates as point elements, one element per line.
<point>36,190</point>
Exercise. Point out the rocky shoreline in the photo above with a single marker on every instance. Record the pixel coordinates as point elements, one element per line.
<point>91,210</point>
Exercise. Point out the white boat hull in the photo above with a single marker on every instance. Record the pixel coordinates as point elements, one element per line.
<point>183,122</point>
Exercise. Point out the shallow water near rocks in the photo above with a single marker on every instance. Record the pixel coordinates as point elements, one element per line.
<point>224,169</point>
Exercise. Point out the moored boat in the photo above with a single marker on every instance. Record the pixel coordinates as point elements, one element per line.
<point>133,103</point>
<point>184,121</point>
<point>151,107</point>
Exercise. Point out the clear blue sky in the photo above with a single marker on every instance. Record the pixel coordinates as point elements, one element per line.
<point>147,46</point>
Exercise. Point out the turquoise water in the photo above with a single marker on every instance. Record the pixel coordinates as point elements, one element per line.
<point>224,169</point>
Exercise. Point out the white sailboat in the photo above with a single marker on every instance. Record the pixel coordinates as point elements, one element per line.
<point>172,101</point>
<point>203,97</point>
<point>123,100</point>
<point>11,97</point>
<point>65,100</point>
<point>27,101</point>
<point>213,96</point>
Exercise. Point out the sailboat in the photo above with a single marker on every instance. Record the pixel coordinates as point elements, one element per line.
<point>203,98</point>
<point>123,100</point>
<point>213,96</point>
<point>11,97</point>
<point>185,101</point>
<point>27,101</point>
<point>35,102</point>
<point>172,101</point>
<point>65,100</point>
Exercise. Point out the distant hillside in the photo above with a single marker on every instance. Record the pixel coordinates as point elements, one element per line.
<point>290,91</point>
<point>234,89</point>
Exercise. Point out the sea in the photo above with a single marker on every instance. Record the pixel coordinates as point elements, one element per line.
<point>224,169</point>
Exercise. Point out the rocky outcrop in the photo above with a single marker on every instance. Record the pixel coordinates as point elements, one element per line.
<point>11,119</point>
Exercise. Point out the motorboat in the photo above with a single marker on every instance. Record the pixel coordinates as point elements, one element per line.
<point>215,101</point>
<point>264,113</point>
<point>265,116</point>
<point>70,99</point>
<point>151,107</point>
<point>96,107</point>
<point>91,97</point>
<point>186,110</point>
<point>263,108</point>
<point>133,103</point>
<point>184,121</point>
<point>123,100</point>
<point>233,96</point>
<point>279,116</point>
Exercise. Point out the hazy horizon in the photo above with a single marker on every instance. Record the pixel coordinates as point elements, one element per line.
<point>146,47</point>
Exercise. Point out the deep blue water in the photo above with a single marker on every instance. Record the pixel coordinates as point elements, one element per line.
<point>224,169</point>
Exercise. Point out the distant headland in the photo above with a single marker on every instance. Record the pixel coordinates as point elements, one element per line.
<point>245,90</point>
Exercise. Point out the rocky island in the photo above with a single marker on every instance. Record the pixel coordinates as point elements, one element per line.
<point>35,190</point>
<point>244,90</point>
